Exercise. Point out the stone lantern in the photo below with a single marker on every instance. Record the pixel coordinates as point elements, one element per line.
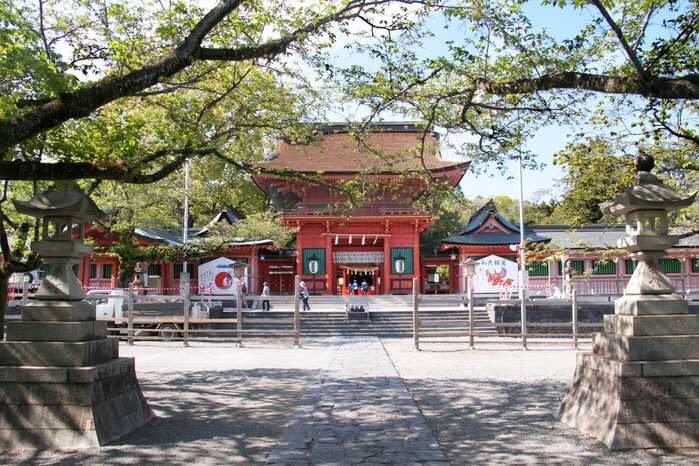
<point>63,216</point>
<point>645,206</point>
<point>63,382</point>
<point>638,387</point>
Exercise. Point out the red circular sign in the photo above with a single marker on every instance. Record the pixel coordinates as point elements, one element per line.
<point>223,280</point>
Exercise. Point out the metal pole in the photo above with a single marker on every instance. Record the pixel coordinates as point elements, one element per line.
<point>297,316</point>
<point>522,259</point>
<point>185,218</point>
<point>416,319</point>
<point>524,320</point>
<point>129,309</point>
<point>239,312</point>
<point>470,313</point>
<point>574,306</point>
<point>184,277</point>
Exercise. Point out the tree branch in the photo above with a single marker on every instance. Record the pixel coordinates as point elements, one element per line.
<point>682,87</point>
<point>642,72</point>
<point>84,101</point>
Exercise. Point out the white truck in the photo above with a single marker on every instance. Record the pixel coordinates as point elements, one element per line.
<point>153,315</point>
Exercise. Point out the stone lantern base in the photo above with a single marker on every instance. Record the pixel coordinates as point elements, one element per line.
<point>639,388</point>
<point>62,384</point>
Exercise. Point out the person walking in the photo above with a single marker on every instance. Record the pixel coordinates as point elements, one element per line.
<point>303,295</point>
<point>265,296</point>
<point>365,287</point>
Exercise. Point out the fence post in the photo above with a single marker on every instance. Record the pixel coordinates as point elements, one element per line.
<point>574,310</point>
<point>524,318</point>
<point>297,316</point>
<point>25,292</point>
<point>184,288</point>
<point>129,309</point>
<point>416,318</point>
<point>239,312</point>
<point>470,315</point>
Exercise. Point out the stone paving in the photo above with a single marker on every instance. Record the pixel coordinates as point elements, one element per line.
<point>358,412</point>
<point>345,401</point>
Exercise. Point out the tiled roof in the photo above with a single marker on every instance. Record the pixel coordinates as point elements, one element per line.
<point>174,237</point>
<point>494,238</point>
<point>381,151</point>
<point>483,214</point>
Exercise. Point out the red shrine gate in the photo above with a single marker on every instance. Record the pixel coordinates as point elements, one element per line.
<point>357,249</point>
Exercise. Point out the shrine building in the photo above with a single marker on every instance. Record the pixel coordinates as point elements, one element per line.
<point>378,242</point>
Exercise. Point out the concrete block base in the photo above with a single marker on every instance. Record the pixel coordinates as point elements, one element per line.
<point>632,411</point>
<point>643,305</point>
<point>59,407</point>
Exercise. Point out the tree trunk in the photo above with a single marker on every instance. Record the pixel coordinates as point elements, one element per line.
<point>4,282</point>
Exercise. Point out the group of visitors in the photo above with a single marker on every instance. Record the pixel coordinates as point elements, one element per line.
<point>355,288</point>
<point>303,295</point>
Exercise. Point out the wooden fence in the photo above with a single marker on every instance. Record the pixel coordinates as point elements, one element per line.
<point>424,331</point>
<point>184,328</point>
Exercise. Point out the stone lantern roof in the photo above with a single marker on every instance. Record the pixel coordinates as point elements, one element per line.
<point>648,193</point>
<point>53,203</point>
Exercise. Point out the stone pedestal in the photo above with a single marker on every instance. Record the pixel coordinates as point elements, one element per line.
<point>639,388</point>
<point>62,383</point>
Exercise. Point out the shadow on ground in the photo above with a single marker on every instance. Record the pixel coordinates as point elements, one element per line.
<point>498,422</point>
<point>208,417</point>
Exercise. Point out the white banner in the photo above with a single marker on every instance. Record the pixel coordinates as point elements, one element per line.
<point>494,274</point>
<point>220,276</point>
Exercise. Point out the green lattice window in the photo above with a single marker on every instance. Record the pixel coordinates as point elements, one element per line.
<point>603,267</point>
<point>578,266</point>
<point>630,266</point>
<point>93,271</point>
<point>406,254</point>
<point>695,265</point>
<point>154,270</point>
<point>106,271</point>
<point>317,254</point>
<point>670,265</point>
<point>538,269</point>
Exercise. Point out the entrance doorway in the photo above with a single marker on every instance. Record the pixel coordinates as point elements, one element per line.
<point>352,278</point>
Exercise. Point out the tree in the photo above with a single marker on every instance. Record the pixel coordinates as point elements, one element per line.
<point>255,227</point>
<point>112,91</point>
<point>503,77</point>
<point>450,218</point>
<point>597,169</point>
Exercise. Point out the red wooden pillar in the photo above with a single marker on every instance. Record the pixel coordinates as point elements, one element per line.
<point>254,271</point>
<point>83,270</point>
<point>329,272</point>
<point>416,262</point>
<point>115,273</point>
<point>387,265</point>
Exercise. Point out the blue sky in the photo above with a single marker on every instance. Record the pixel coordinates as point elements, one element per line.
<point>560,23</point>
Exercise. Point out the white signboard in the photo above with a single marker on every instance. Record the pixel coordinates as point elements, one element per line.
<point>218,276</point>
<point>494,274</point>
